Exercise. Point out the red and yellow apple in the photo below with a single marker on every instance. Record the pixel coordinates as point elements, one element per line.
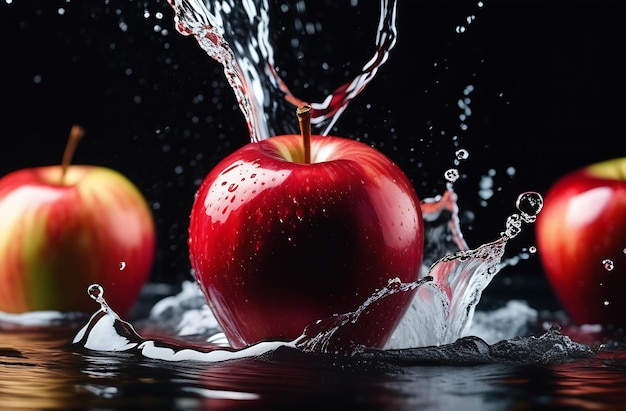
<point>65,227</point>
<point>581,239</point>
<point>293,229</point>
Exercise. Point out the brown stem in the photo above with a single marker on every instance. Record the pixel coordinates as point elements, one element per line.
<point>304,119</point>
<point>76,133</point>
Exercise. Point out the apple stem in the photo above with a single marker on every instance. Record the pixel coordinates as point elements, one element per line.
<point>76,133</point>
<point>304,119</point>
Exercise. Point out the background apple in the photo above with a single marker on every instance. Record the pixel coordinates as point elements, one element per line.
<point>581,238</point>
<point>277,243</point>
<point>65,227</point>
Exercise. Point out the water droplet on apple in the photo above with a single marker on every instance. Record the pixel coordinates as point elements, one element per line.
<point>122,265</point>
<point>232,187</point>
<point>300,214</point>
<point>608,264</point>
<point>258,245</point>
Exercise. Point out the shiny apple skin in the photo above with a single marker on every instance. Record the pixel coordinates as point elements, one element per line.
<point>57,239</point>
<point>276,244</point>
<point>583,223</point>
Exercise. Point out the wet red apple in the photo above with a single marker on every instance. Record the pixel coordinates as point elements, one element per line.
<point>581,239</point>
<point>295,228</point>
<point>64,227</point>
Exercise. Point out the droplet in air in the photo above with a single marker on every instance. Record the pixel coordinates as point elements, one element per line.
<point>451,175</point>
<point>462,154</point>
<point>529,204</point>
<point>608,264</point>
<point>96,292</point>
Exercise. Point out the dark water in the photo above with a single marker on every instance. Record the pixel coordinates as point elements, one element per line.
<point>41,369</point>
<point>41,372</point>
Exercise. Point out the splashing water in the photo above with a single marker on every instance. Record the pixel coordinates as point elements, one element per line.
<point>432,331</point>
<point>105,331</point>
<point>237,35</point>
<point>434,328</point>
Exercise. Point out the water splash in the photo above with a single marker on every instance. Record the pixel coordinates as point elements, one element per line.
<point>237,34</point>
<point>107,332</point>
<point>440,313</point>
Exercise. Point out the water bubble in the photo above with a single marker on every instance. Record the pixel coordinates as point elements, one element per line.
<point>462,154</point>
<point>451,175</point>
<point>529,204</point>
<point>532,249</point>
<point>608,264</point>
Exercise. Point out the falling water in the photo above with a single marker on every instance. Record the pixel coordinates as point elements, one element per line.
<point>238,35</point>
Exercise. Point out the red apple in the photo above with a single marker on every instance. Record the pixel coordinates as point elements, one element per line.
<point>65,227</point>
<point>284,233</point>
<point>581,239</point>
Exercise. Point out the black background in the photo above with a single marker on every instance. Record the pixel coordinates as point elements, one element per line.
<point>548,97</point>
